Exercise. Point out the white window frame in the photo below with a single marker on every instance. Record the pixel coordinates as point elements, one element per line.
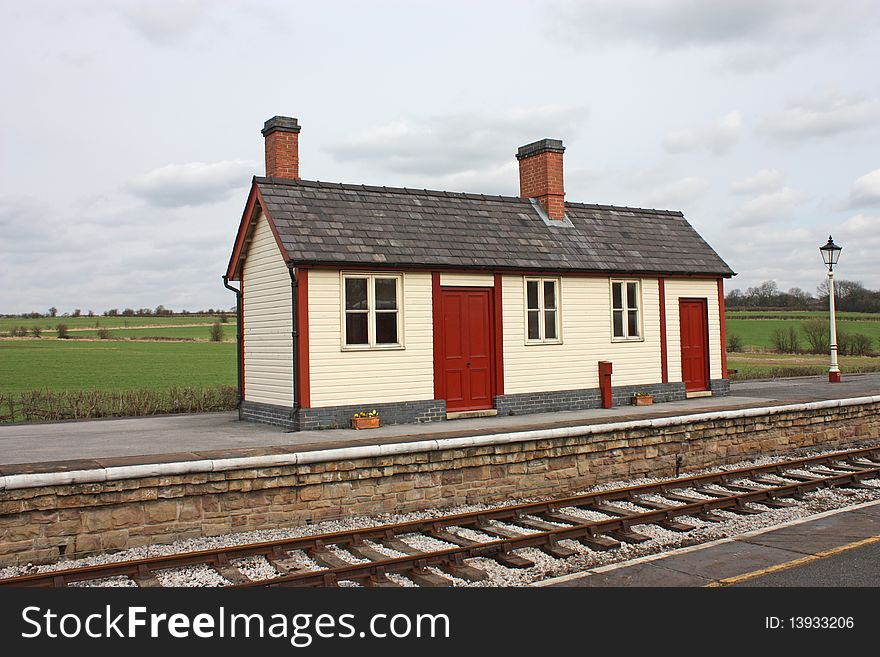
<point>371,311</point>
<point>623,297</point>
<point>541,280</point>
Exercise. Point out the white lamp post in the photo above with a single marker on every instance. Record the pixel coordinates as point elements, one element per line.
<point>830,254</point>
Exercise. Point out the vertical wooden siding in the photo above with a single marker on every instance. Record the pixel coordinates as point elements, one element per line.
<point>586,335</point>
<point>677,288</point>
<point>268,350</point>
<point>467,280</point>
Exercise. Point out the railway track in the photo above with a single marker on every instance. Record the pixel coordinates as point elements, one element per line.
<point>368,556</point>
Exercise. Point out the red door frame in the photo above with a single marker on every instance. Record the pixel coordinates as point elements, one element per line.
<point>439,348</point>
<point>704,305</point>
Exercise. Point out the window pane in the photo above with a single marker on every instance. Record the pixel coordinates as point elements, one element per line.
<point>618,324</point>
<point>633,325</point>
<point>386,328</point>
<point>617,295</point>
<point>355,293</point>
<point>356,328</point>
<point>534,331</point>
<point>532,293</point>
<point>550,295</point>
<point>386,294</point>
<point>632,297</point>
<point>550,325</point>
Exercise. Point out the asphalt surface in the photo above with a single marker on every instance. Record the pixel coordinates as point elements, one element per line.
<point>102,443</point>
<point>858,566</point>
<point>837,548</point>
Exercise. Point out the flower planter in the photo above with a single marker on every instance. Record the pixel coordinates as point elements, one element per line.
<point>643,400</point>
<point>365,422</point>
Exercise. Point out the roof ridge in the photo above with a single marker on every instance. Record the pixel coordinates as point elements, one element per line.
<point>447,194</point>
<point>387,190</point>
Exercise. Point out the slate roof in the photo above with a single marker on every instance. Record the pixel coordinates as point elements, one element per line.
<point>339,224</point>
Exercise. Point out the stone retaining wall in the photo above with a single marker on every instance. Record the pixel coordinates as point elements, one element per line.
<point>39,523</point>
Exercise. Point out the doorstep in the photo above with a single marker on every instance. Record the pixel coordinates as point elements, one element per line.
<point>466,415</point>
<point>698,393</point>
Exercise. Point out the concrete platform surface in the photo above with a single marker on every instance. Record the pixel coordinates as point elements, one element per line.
<point>836,548</point>
<point>89,444</point>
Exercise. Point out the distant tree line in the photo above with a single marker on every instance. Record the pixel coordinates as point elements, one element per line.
<point>850,296</point>
<point>158,311</point>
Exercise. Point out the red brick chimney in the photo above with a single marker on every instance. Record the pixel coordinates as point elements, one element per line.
<point>282,147</point>
<point>540,175</point>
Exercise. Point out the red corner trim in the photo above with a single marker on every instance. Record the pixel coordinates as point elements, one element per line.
<point>241,333</point>
<point>439,389</point>
<point>254,197</point>
<point>723,324</point>
<point>499,336</point>
<point>664,357</point>
<point>302,319</point>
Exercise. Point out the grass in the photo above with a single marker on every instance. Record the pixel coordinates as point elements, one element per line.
<point>59,365</point>
<point>773,366</point>
<point>41,405</point>
<point>201,332</point>
<point>799,314</point>
<point>757,333</point>
<point>47,323</point>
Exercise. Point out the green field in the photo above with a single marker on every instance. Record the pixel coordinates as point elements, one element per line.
<point>186,332</point>
<point>798,314</point>
<point>757,334</point>
<point>49,323</point>
<point>58,365</point>
<point>756,328</point>
<point>769,366</point>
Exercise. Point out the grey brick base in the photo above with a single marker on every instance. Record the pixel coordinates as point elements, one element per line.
<point>575,400</point>
<point>339,417</point>
<point>280,416</point>
<point>430,410</point>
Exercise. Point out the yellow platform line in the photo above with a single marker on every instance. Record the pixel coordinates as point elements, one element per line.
<point>727,581</point>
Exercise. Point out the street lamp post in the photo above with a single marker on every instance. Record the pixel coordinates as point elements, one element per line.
<point>830,254</point>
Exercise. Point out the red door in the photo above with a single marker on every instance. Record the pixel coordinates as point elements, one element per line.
<point>467,348</point>
<point>694,325</point>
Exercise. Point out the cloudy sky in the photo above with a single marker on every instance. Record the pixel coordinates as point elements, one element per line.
<point>129,130</point>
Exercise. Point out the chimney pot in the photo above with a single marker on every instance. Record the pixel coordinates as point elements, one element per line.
<point>282,147</point>
<point>540,175</point>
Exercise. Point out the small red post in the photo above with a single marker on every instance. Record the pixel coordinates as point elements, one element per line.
<point>605,382</point>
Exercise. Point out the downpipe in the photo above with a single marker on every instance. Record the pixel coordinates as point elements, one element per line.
<point>238,334</point>
<point>294,334</point>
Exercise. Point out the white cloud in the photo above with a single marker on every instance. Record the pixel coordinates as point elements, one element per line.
<point>678,193</point>
<point>111,251</point>
<point>821,118</point>
<point>865,191</point>
<point>747,34</point>
<point>771,207</point>
<point>166,22</point>
<point>717,139</point>
<point>194,183</point>
<point>454,144</point>
<point>766,180</point>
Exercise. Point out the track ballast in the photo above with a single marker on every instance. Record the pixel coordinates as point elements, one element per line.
<point>503,530</point>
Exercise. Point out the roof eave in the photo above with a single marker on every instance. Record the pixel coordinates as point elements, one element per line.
<point>254,201</point>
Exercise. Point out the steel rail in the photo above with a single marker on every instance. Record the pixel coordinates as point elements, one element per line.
<point>220,558</point>
<point>574,532</point>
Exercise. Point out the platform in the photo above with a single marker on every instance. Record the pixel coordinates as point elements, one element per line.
<point>835,548</point>
<point>82,445</point>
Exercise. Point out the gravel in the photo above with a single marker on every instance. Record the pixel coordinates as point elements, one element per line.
<point>191,576</point>
<point>118,581</point>
<point>255,568</point>
<point>661,540</point>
